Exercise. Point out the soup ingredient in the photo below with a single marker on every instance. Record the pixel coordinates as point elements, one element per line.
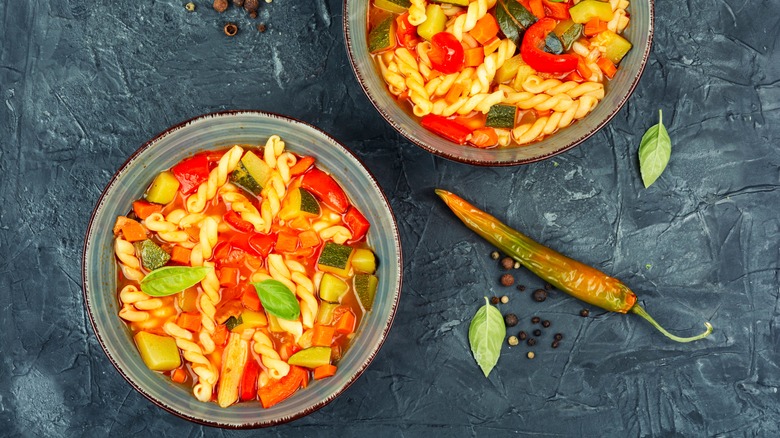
<point>446,128</point>
<point>394,6</point>
<point>655,149</point>
<point>163,188</point>
<point>173,279</point>
<point>587,10</point>
<point>274,393</point>
<point>311,357</point>
<point>364,261</point>
<point>234,360</point>
<point>159,353</point>
<point>446,53</point>
<point>584,313</point>
<point>513,19</point>
<point>152,256</point>
<point>324,371</point>
<point>382,37</point>
<point>346,323</point>
<point>332,288</point>
<point>248,390</point>
<point>191,173</point>
<point>252,173</point>
<point>365,286</point>
<point>143,209</point>
<point>510,320</point>
<point>335,258</point>
<point>299,202</point>
<point>512,341</point>
<point>131,230</point>
<point>325,313</point>
<point>540,295</point>
<point>486,334</point>
<point>435,20</point>
<point>615,46</point>
<point>575,278</point>
<point>507,280</point>
<point>327,189</point>
<point>277,299</point>
<point>533,52</point>
<point>501,116</point>
<point>356,223</point>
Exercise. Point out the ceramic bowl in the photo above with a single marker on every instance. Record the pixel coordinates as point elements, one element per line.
<point>221,130</point>
<point>618,90</point>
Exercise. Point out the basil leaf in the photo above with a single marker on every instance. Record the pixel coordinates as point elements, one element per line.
<point>655,149</point>
<point>169,280</point>
<point>277,299</point>
<point>513,19</point>
<point>486,334</point>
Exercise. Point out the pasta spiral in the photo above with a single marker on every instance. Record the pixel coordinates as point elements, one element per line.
<point>128,262</point>
<point>206,371</point>
<point>408,67</point>
<point>276,187</point>
<point>196,203</point>
<point>528,132</point>
<point>277,368</point>
<point>305,291</point>
<point>465,22</point>
<point>417,12</point>
<point>135,304</point>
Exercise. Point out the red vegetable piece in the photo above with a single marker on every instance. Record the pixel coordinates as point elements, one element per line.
<point>446,128</point>
<point>285,387</point>
<point>262,244</point>
<point>406,32</point>
<point>248,390</point>
<point>559,11</point>
<point>446,55</point>
<point>191,172</point>
<point>534,55</point>
<point>326,189</point>
<point>232,218</point>
<point>357,223</point>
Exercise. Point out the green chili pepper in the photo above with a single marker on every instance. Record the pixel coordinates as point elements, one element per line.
<point>576,279</point>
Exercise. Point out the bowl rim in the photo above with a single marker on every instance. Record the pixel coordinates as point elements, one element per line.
<point>486,162</point>
<point>372,353</point>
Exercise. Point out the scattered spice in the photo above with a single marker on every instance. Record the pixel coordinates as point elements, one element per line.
<point>220,5</point>
<point>555,344</point>
<point>190,7</point>
<point>545,323</point>
<point>507,263</point>
<point>521,287</point>
<point>517,265</point>
<point>231,29</point>
<point>510,319</point>
<point>547,286</point>
<point>540,295</point>
<point>522,335</point>
<point>513,341</point>
<point>494,300</point>
<point>495,255</point>
<point>238,3</point>
<point>531,342</point>
<point>558,337</point>
<point>504,299</point>
<point>507,280</point>
<point>531,355</point>
<point>261,27</point>
<point>251,6</point>
<point>584,313</point>
<point>535,320</point>
<point>537,332</point>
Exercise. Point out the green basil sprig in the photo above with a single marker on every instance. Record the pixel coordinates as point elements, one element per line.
<point>486,334</point>
<point>277,299</point>
<point>169,280</point>
<point>655,149</point>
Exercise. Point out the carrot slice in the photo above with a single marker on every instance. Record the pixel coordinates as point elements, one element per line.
<point>322,336</point>
<point>537,8</point>
<point>250,299</point>
<point>286,242</point>
<point>180,255</point>
<point>301,166</point>
<point>189,321</point>
<point>474,57</point>
<point>179,375</point>
<point>283,388</point>
<point>220,335</point>
<point>485,29</point>
<point>143,209</point>
<point>346,324</point>
<point>131,230</point>
<point>324,371</point>
<point>594,26</point>
<point>309,239</point>
<point>607,67</point>
<point>228,276</point>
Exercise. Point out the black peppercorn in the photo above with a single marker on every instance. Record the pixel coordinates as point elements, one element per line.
<point>507,280</point>
<point>507,263</point>
<point>584,313</point>
<point>238,3</point>
<point>510,319</point>
<point>548,286</point>
<point>522,335</point>
<point>555,344</point>
<point>261,27</point>
<point>531,342</point>
<point>545,323</point>
<point>521,287</point>
<point>540,295</point>
<point>537,332</point>
<point>494,300</point>
<point>535,320</point>
<point>558,337</point>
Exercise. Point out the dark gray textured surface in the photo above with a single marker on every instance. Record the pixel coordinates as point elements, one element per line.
<point>83,84</point>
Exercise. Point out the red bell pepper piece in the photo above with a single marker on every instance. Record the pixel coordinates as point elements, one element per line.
<point>406,32</point>
<point>357,223</point>
<point>446,128</point>
<point>446,54</point>
<point>262,244</point>
<point>232,218</point>
<point>559,10</point>
<point>191,172</point>
<point>248,389</point>
<point>285,387</point>
<point>534,55</point>
<point>326,188</point>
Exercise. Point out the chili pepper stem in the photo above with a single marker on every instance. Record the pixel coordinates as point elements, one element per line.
<point>643,313</point>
